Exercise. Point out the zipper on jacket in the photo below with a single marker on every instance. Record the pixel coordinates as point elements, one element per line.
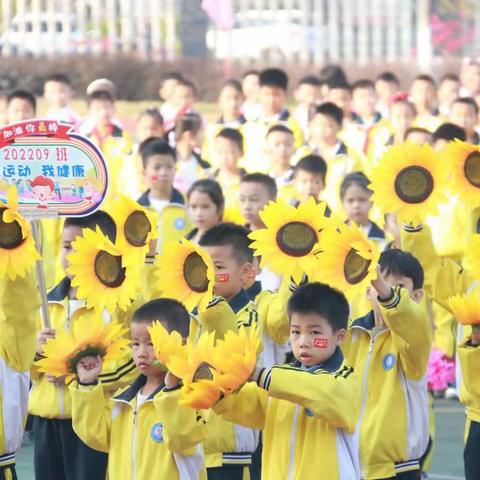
<point>293,434</point>
<point>134,441</point>
<point>61,410</point>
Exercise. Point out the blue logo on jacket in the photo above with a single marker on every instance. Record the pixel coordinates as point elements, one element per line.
<point>389,361</point>
<point>157,433</point>
<point>180,223</point>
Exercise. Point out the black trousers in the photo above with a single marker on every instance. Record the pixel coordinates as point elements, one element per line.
<point>226,472</point>
<point>471,454</point>
<point>406,476</point>
<point>60,455</point>
<point>8,473</point>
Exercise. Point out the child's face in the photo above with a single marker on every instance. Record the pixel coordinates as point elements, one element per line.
<point>159,172</point>
<point>19,109</point>
<point>324,128</point>
<point>102,111</point>
<point>203,213</point>
<point>183,97</point>
<point>69,235</point>
<point>471,78</point>
<point>57,94</point>
<point>448,92</point>
<point>357,204</point>
<point>251,87</point>
<point>364,100</point>
<point>272,99</point>
<point>308,184</point>
<point>167,88</point>
<point>228,154</point>
<point>148,127</point>
<point>464,116</point>
<point>401,116</point>
<point>230,102</point>
<point>312,338</point>
<point>385,90</point>
<point>307,95</point>
<point>342,98</point>
<point>230,274</point>
<point>419,138</point>
<point>280,146</point>
<point>253,197</point>
<point>423,94</point>
<point>396,280</point>
<point>142,350</point>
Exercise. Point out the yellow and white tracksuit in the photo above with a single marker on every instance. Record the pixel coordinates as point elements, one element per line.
<point>394,421</point>
<point>308,418</point>
<point>158,439</point>
<point>19,304</point>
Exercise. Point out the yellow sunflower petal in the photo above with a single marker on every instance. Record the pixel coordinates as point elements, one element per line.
<point>471,260</point>
<point>166,345</point>
<point>465,308</point>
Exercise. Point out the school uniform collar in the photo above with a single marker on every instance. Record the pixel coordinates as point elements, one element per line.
<point>60,291</point>
<point>254,290</point>
<point>358,119</point>
<point>239,121</point>
<point>367,322</point>
<point>331,365</point>
<point>175,197</point>
<point>131,392</point>
<point>239,301</point>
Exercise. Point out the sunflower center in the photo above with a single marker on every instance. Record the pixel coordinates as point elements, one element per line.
<point>136,229</point>
<point>472,169</point>
<point>10,233</point>
<point>203,372</point>
<point>108,269</point>
<point>414,184</point>
<point>296,239</point>
<point>355,267</point>
<point>195,273</point>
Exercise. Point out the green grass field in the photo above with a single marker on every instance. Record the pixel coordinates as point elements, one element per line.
<point>447,461</point>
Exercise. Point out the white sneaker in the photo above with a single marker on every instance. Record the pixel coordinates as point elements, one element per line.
<point>451,393</point>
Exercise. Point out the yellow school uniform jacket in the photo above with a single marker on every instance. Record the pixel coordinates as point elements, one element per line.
<point>469,356</point>
<point>19,304</point>
<point>172,221</point>
<point>159,439</point>
<point>394,421</point>
<point>225,442</point>
<point>49,400</point>
<point>308,418</point>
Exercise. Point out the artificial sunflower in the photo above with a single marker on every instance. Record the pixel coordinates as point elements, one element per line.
<point>463,160</point>
<point>104,277</point>
<point>346,259</point>
<point>409,180</point>
<point>200,389</point>
<point>186,273</point>
<point>17,246</point>
<point>471,260</point>
<point>465,308</point>
<point>87,337</point>
<point>166,344</point>
<point>286,244</point>
<point>136,226</point>
<point>235,357</point>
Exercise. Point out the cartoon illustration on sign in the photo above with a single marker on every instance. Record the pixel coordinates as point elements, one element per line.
<point>43,190</point>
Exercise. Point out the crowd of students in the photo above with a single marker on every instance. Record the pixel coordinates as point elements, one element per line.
<point>342,390</point>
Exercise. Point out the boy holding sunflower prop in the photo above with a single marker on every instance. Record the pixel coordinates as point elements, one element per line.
<point>149,431</point>
<point>390,347</point>
<point>98,265</point>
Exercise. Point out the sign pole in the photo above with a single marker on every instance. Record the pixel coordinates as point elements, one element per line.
<point>40,273</point>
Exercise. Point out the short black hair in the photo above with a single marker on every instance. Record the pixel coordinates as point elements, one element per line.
<point>329,109</point>
<point>229,234</point>
<point>388,77</point>
<point>59,78</point>
<point>101,95</point>
<point>100,219</point>
<point>416,130</point>
<point>169,312</point>
<point>266,180</point>
<point>189,84</point>
<point>364,83</point>
<point>449,132</point>
<point>354,178</point>
<point>323,300</point>
<point>211,188</point>
<point>313,164</point>
<point>310,80</point>
<point>23,95</point>
<point>331,74</point>
<point>155,146</point>
<point>279,127</point>
<point>425,78</point>
<point>340,86</point>
<point>171,76</point>
<point>232,134</point>
<point>233,83</point>
<point>467,101</point>
<point>189,122</point>
<point>398,262</point>
<point>451,77</point>
<point>152,112</point>
<point>274,77</point>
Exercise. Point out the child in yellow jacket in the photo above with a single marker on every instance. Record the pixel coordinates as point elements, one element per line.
<point>143,428</point>
<point>390,347</point>
<point>308,410</point>
<point>18,313</point>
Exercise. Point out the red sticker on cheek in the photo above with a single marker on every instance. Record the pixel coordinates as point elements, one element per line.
<point>153,178</point>
<point>320,343</point>
<point>222,277</point>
